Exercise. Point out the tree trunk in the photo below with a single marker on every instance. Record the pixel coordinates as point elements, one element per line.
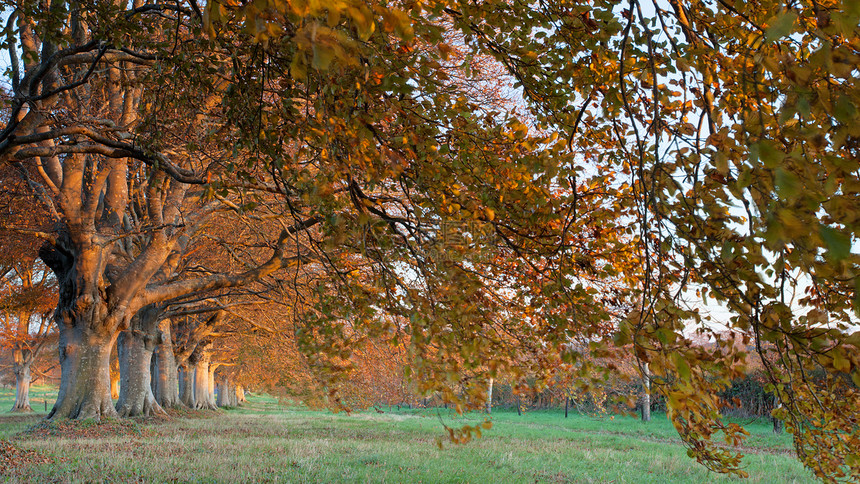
<point>167,388</point>
<point>566,405</point>
<point>777,423</point>
<point>22,385</point>
<point>240,395</point>
<point>646,395</point>
<point>135,392</point>
<point>490,397</point>
<point>211,380</point>
<point>234,396</point>
<point>186,385</point>
<point>88,322</point>
<point>224,399</point>
<point>85,373</point>
<point>200,360</point>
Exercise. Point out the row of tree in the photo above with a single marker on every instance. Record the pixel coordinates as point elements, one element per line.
<point>503,190</point>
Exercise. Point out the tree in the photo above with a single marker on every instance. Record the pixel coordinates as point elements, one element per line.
<point>660,151</point>
<point>28,292</point>
<point>124,196</point>
<point>734,125</point>
<point>29,295</point>
<point>435,207</point>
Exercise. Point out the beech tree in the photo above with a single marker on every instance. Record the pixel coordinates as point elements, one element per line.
<point>121,180</point>
<point>28,297</point>
<point>438,205</point>
<point>28,290</point>
<point>660,149</point>
<point>729,126</point>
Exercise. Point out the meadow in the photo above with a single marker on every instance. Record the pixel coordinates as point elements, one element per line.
<point>263,441</point>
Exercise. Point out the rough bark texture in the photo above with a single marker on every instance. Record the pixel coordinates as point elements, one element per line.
<point>202,398</point>
<point>186,386</point>
<point>135,348</point>
<point>22,387</point>
<point>135,394</point>
<point>226,394</point>
<point>85,374</point>
<point>166,378</point>
<point>87,325</point>
<point>212,368</point>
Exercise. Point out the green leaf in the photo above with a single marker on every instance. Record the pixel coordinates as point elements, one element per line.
<point>770,155</point>
<point>681,365</point>
<point>787,185</point>
<point>780,26</point>
<point>727,251</point>
<point>838,244</point>
<point>844,110</point>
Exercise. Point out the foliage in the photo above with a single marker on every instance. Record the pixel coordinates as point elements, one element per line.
<point>496,189</point>
<point>730,125</point>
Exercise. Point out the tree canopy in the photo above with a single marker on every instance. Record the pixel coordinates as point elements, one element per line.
<point>491,188</point>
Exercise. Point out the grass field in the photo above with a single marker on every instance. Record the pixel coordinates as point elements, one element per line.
<point>264,442</point>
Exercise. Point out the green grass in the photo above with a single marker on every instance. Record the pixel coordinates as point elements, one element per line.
<point>42,398</point>
<point>263,442</point>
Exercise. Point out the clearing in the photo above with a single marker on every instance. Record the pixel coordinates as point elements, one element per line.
<point>265,442</point>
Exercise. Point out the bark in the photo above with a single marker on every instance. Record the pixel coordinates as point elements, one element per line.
<point>224,393</point>
<point>22,386</point>
<point>87,322</point>
<point>85,373</point>
<point>167,386</point>
<point>212,368</point>
<point>490,396</point>
<point>646,395</point>
<point>23,353</point>
<point>240,395</point>
<point>202,397</point>
<point>234,397</point>
<point>135,394</point>
<point>199,386</point>
<point>186,386</point>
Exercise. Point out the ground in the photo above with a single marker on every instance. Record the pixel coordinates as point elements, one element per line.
<point>265,442</point>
